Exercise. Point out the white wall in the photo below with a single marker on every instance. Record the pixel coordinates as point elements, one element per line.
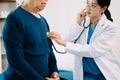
<point>60,14</point>
<point>5,7</point>
<point>114,8</point>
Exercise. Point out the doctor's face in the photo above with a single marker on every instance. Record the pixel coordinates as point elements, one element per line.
<point>93,9</point>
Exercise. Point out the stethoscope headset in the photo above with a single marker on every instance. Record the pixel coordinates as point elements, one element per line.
<point>84,27</point>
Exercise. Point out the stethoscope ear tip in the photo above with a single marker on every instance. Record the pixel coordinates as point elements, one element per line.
<point>86,22</point>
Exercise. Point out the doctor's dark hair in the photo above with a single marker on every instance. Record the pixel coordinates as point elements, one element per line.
<point>104,3</point>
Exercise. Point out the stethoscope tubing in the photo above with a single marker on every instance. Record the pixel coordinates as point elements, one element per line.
<point>85,27</point>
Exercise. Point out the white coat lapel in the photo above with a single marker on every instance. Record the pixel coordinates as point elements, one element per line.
<point>99,27</point>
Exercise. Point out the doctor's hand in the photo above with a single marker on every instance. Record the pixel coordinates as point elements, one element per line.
<point>54,76</point>
<point>81,16</point>
<point>57,37</point>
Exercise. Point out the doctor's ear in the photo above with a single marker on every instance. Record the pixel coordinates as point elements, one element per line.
<point>103,9</point>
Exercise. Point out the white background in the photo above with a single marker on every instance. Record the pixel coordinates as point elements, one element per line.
<point>60,15</point>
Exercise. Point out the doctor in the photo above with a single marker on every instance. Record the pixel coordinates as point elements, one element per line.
<point>94,58</point>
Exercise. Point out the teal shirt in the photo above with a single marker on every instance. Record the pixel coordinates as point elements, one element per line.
<point>91,30</point>
<point>91,70</point>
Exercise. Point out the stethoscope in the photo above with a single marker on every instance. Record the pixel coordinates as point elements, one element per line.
<point>84,27</point>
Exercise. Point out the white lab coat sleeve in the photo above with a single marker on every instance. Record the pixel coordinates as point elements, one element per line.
<point>77,49</point>
<point>99,46</point>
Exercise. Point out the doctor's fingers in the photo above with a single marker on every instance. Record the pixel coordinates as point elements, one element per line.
<point>53,35</point>
<point>82,13</point>
<point>81,16</point>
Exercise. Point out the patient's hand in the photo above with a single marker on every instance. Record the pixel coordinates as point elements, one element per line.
<point>54,76</point>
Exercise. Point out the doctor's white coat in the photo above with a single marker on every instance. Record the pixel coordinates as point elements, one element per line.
<point>100,48</point>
